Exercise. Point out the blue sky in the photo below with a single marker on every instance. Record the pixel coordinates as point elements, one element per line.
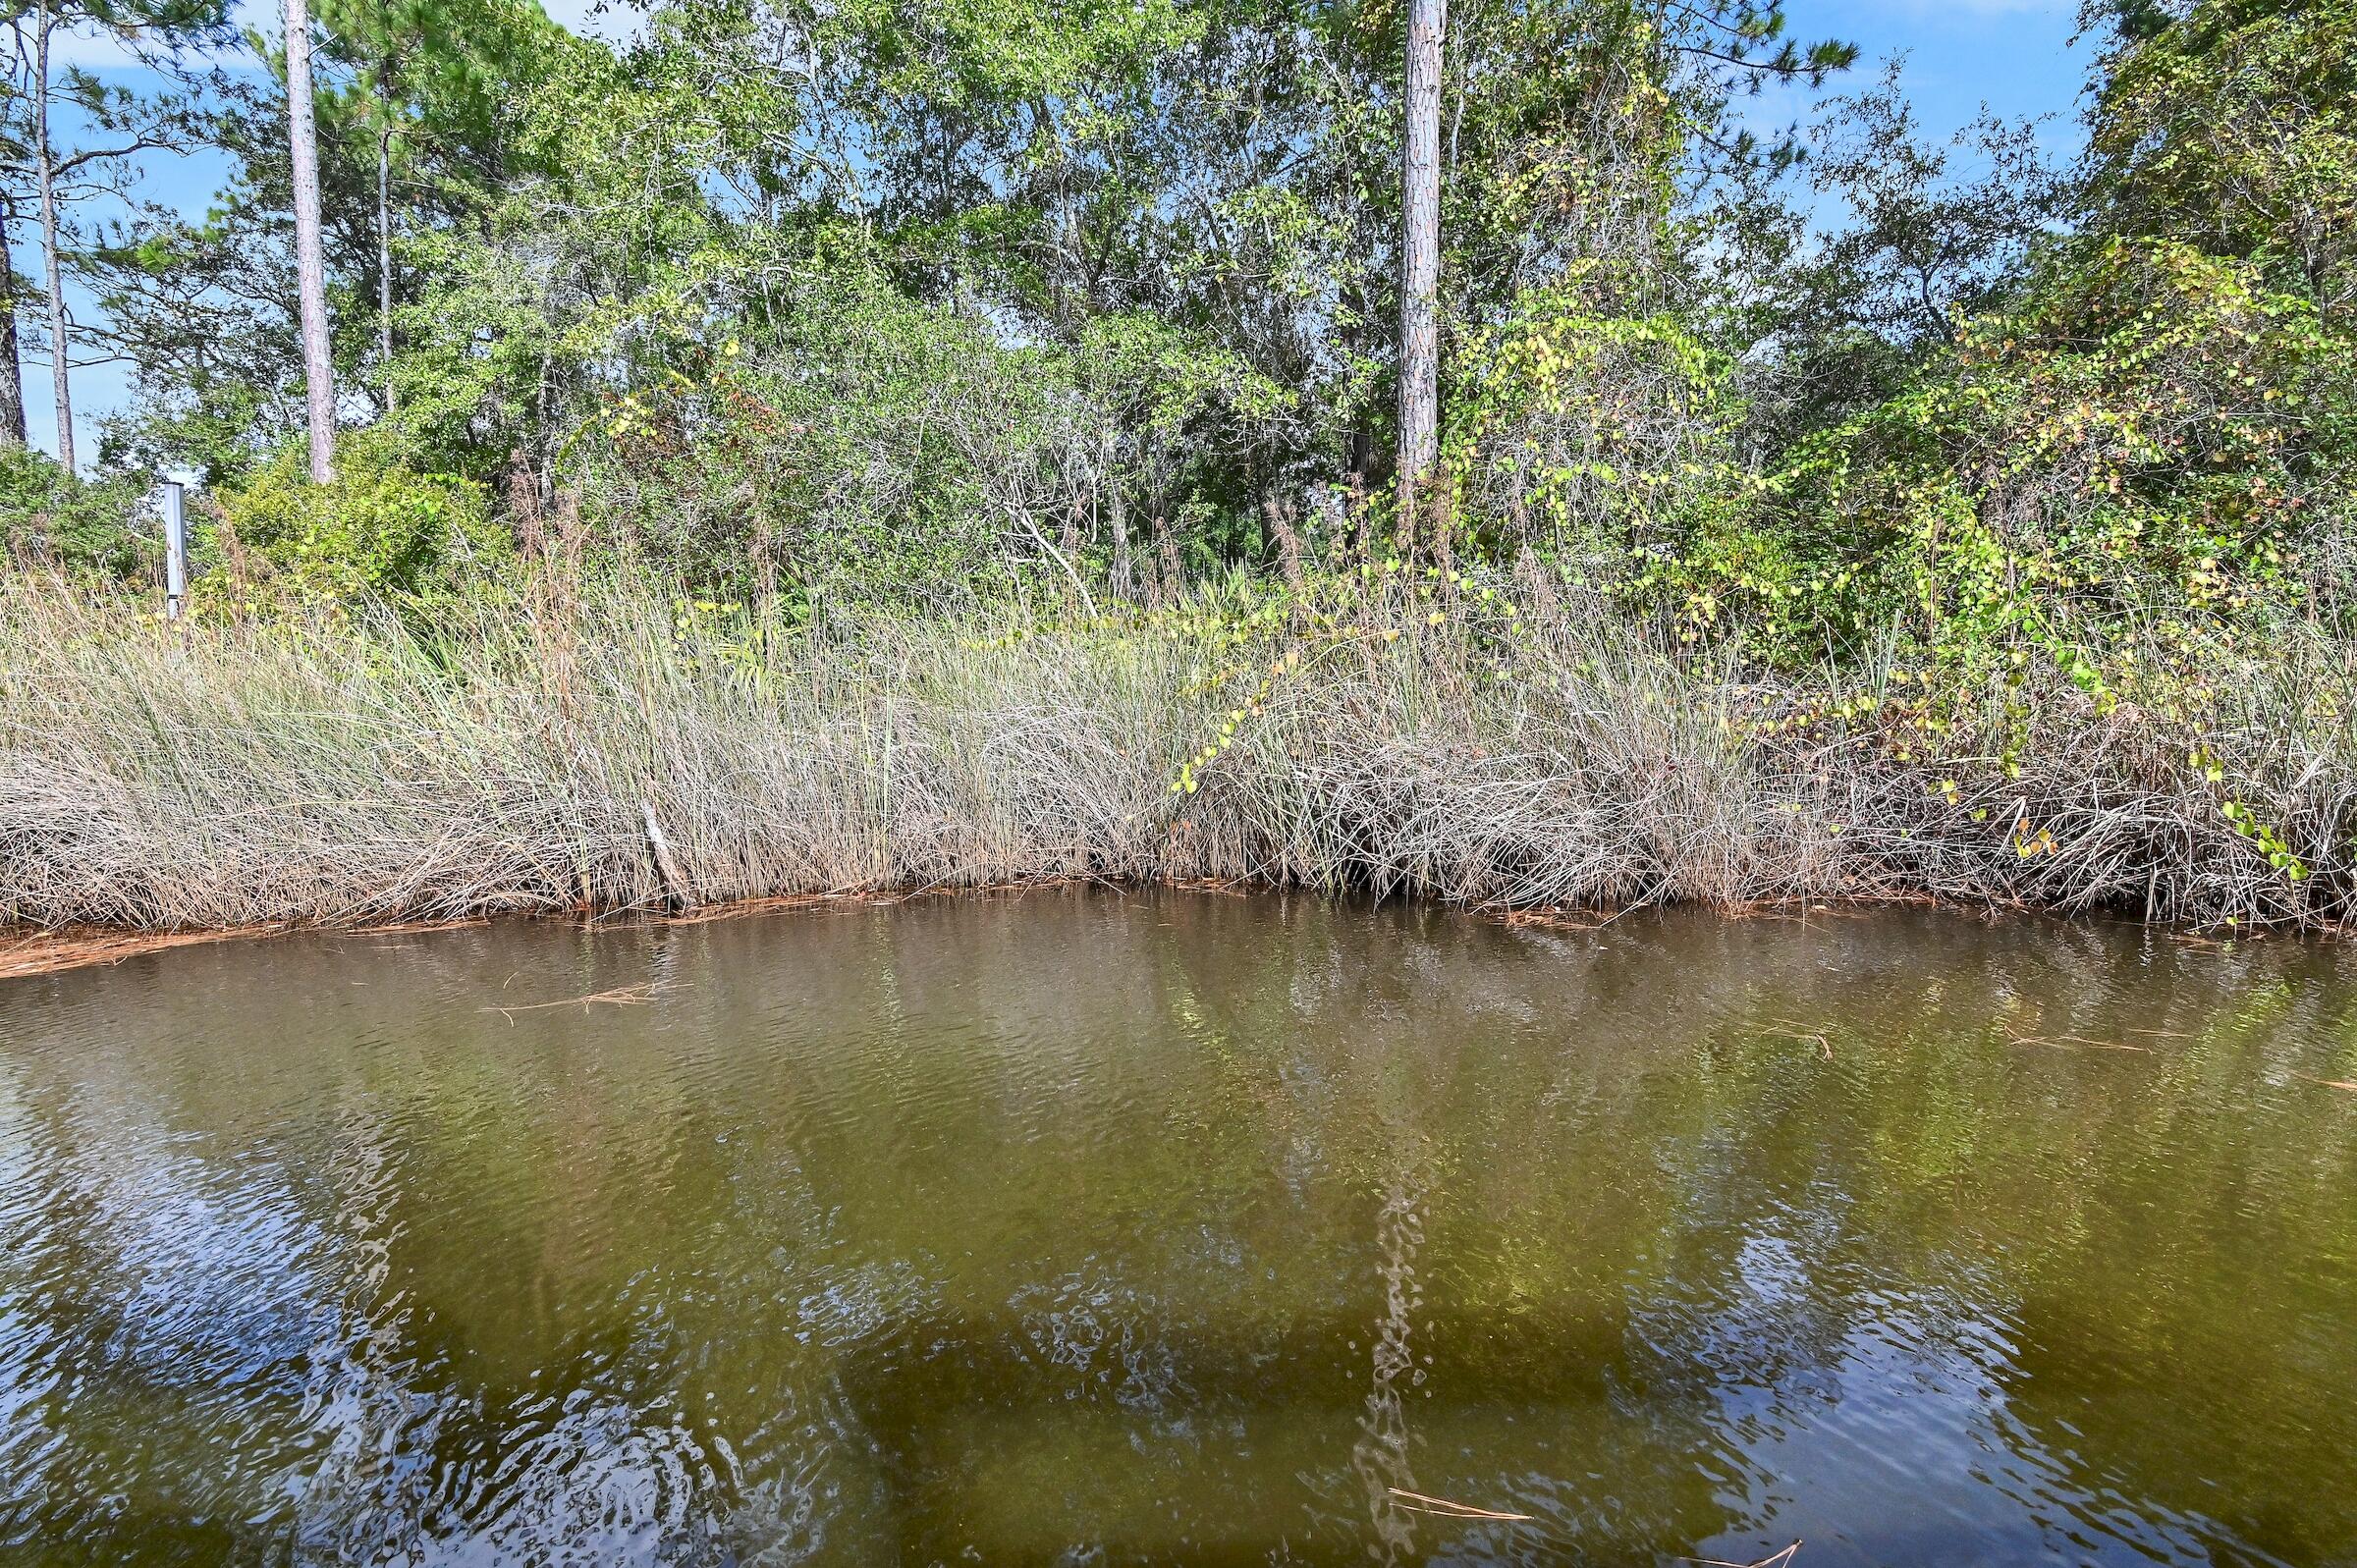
<point>2015,55</point>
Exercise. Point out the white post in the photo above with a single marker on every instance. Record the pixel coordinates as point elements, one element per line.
<point>175,550</point>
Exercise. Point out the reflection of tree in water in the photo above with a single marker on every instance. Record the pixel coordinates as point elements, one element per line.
<point>828,1268</point>
<point>1379,1456</point>
<point>368,1486</point>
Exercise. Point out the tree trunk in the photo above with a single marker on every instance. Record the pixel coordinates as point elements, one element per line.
<point>61,340</point>
<point>311,267</point>
<point>1288,545</point>
<point>1173,586</point>
<point>1420,261</point>
<point>1119,510</point>
<point>384,253</point>
<point>12,364</point>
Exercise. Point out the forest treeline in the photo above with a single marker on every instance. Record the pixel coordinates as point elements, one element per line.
<point>820,313</point>
<point>794,300</point>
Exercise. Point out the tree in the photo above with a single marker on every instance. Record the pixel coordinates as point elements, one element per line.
<point>12,359</point>
<point>15,150</point>
<point>427,83</point>
<point>420,126</point>
<point>2231,124</point>
<point>551,232</point>
<point>1420,261</point>
<point>123,124</point>
<point>1909,238</point>
<point>46,166</point>
<point>311,265</point>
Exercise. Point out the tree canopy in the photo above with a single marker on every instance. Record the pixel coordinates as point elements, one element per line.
<point>916,298</point>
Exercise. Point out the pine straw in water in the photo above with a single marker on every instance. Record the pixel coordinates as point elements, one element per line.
<point>350,769</point>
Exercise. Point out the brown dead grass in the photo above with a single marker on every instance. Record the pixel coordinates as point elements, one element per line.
<point>365,771</point>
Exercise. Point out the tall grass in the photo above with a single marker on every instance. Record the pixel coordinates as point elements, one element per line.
<point>621,751</point>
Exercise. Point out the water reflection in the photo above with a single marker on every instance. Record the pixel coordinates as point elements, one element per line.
<point>1380,1458</point>
<point>1184,1228</point>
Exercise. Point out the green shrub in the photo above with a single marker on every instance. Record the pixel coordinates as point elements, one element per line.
<point>857,442</point>
<point>378,528</point>
<point>2150,437</point>
<point>56,517</point>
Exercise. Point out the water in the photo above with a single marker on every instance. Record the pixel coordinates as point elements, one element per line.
<point>1184,1228</point>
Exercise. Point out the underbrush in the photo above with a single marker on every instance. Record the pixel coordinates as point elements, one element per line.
<point>1496,744</point>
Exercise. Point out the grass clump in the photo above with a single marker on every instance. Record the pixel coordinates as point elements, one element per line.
<point>1499,743</point>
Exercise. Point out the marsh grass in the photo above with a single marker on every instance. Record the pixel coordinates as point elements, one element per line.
<point>354,769</point>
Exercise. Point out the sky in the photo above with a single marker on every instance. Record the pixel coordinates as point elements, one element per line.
<point>2016,57</point>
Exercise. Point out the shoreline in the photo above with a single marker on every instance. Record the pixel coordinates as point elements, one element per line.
<point>31,953</point>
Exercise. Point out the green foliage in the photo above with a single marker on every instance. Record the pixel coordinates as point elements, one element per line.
<point>1592,435</point>
<point>1990,443</point>
<point>380,528</point>
<point>975,298</point>
<point>853,440</point>
<point>2231,126</point>
<point>52,517</point>
<point>2153,433</point>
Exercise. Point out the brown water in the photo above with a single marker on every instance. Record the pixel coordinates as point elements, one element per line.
<point>1184,1228</point>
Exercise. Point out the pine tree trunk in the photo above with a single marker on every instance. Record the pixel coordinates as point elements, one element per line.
<point>12,353</point>
<point>384,240</point>
<point>12,364</point>
<point>311,267</point>
<point>61,341</point>
<point>1420,261</point>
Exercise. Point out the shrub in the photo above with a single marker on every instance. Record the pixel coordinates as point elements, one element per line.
<point>378,528</point>
<point>852,442</point>
<point>50,515</point>
<point>2150,437</point>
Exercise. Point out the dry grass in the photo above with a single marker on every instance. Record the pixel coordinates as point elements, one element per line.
<point>330,771</point>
